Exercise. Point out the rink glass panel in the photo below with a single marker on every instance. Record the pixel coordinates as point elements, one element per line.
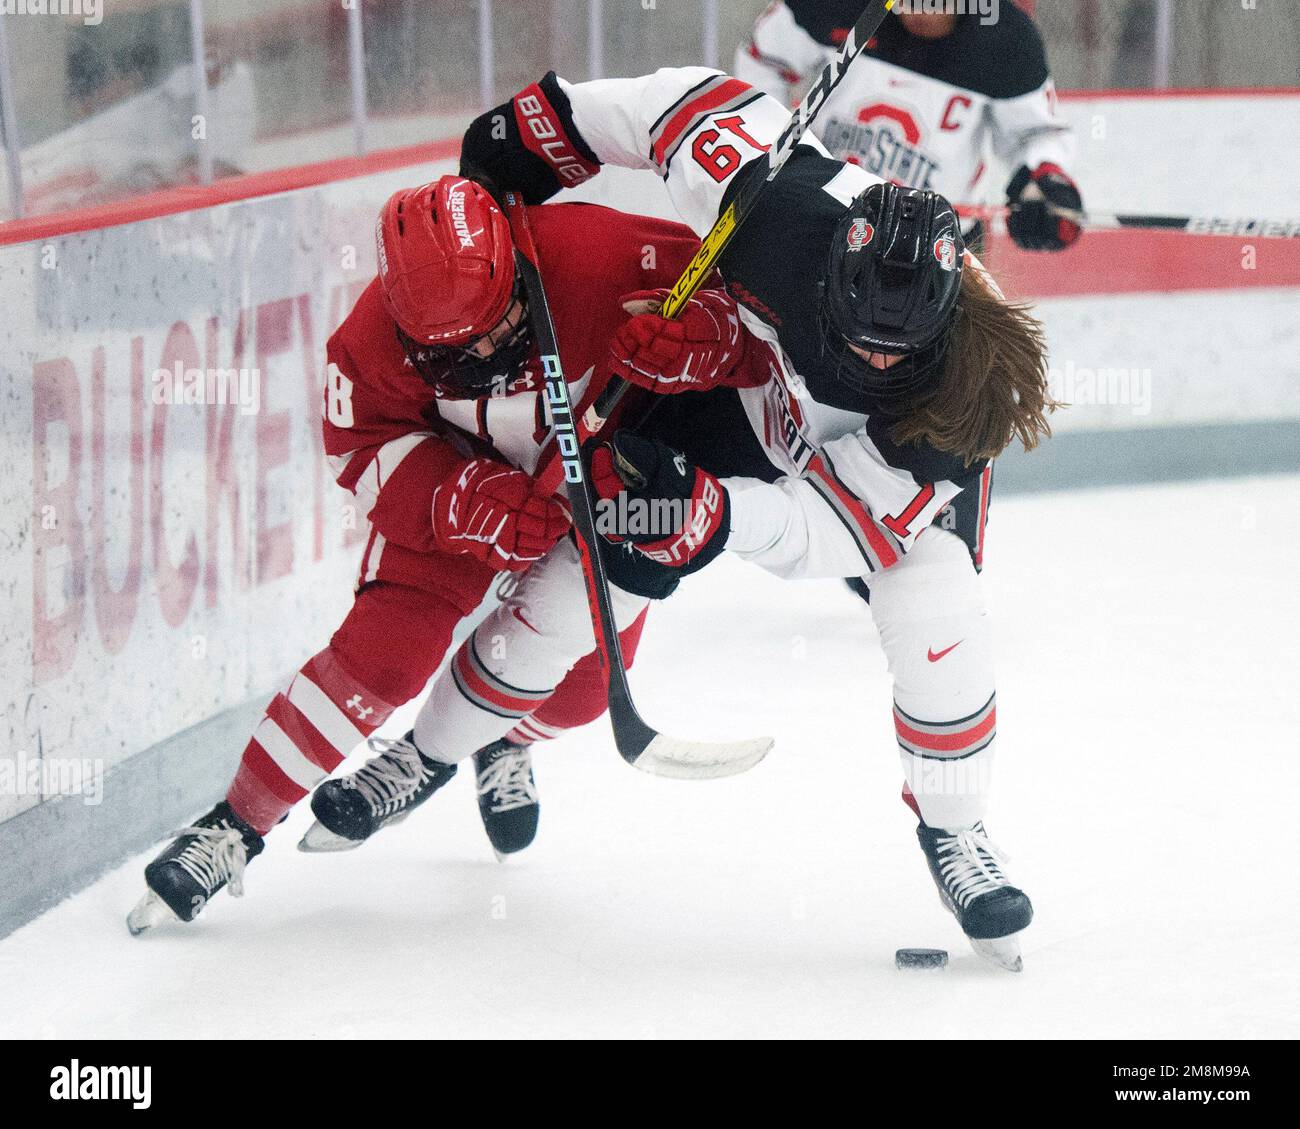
<point>291,64</point>
<point>103,111</point>
<point>106,111</point>
<point>1113,44</point>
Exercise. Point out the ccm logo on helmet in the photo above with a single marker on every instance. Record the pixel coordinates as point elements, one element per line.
<point>945,252</point>
<point>456,201</point>
<point>860,234</point>
<point>553,145</point>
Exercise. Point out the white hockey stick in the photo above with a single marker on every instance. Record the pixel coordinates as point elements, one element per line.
<point>1251,228</point>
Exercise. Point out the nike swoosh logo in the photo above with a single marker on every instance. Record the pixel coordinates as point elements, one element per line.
<point>935,657</point>
<point>520,617</point>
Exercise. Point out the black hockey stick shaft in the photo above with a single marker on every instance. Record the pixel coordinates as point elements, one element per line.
<point>638,743</point>
<point>631,734</point>
<point>720,234</point>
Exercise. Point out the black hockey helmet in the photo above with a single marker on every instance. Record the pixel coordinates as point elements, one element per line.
<point>891,287</point>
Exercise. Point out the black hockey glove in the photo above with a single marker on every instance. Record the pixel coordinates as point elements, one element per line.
<point>529,143</point>
<point>659,517</point>
<point>1031,195</point>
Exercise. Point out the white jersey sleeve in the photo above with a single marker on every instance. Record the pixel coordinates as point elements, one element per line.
<point>850,514</point>
<point>779,53</point>
<point>692,125</point>
<point>1029,130</point>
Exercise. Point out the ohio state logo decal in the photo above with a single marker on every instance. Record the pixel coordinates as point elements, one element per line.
<point>945,252</point>
<point>860,234</point>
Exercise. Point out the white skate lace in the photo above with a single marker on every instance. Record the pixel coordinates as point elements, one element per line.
<point>509,779</point>
<point>217,854</point>
<point>389,780</point>
<point>969,864</point>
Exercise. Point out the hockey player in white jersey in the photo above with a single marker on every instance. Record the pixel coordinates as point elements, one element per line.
<point>894,373</point>
<point>932,97</point>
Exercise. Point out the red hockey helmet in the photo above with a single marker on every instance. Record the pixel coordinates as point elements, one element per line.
<point>446,261</point>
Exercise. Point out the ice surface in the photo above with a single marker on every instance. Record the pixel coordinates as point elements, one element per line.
<point>1147,784</point>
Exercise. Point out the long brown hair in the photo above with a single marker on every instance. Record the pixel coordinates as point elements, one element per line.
<point>994,388</point>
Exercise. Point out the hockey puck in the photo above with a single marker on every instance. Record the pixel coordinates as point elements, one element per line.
<point>921,958</point>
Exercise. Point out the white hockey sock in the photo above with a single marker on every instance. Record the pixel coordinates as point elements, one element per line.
<point>512,663</point>
<point>937,637</point>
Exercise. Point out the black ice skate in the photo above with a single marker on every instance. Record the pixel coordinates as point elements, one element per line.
<point>383,791</point>
<point>507,796</point>
<point>965,867</point>
<point>204,857</point>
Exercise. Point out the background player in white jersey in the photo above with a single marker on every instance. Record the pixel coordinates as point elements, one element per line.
<point>894,373</point>
<point>934,99</point>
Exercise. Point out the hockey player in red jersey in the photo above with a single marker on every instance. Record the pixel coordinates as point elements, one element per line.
<point>435,419</point>
<point>896,374</point>
<point>931,96</point>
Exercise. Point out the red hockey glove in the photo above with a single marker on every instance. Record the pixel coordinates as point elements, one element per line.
<point>660,517</point>
<point>494,513</point>
<point>1032,195</point>
<point>693,352</point>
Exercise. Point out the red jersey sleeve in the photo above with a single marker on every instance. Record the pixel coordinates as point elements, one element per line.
<point>380,443</point>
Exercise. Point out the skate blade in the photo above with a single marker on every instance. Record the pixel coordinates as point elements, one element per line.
<point>149,912</point>
<point>320,840</point>
<point>1003,952</point>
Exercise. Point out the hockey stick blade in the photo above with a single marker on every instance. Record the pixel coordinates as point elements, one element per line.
<point>638,743</point>
<point>644,747</point>
<point>701,760</point>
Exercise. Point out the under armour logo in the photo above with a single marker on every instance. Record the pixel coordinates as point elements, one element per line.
<point>354,703</point>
